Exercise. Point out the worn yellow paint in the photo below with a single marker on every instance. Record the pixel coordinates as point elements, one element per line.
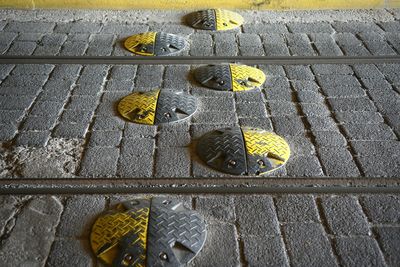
<point>192,4</point>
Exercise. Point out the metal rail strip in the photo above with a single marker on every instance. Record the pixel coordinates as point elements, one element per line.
<point>184,186</point>
<point>191,60</point>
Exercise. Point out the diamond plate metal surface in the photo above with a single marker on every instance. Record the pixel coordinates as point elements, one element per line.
<point>175,234</point>
<point>246,78</point>
<point>155,44</point>
<point>246,151</point>
<point>214,76</point>
<point>203,19</point>
<point>230,77</point>
<point>266,151</point>
<point>119,237</point>
<point>168,44</point>
<point>215,19</point>
<point>140,107</point>
<point>174,106</point>
<point>227,20</point>
<point>224,150</point>
<point>141,44</point>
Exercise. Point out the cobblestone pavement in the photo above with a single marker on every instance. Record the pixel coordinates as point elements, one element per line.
<point>243,230</point>
<point>60,120</point>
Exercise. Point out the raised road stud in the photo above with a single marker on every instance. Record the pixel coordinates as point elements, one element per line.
<point>214,20</point>
<point>230,77</point>
<point>155,44</point>
<point>243,151</point>
<point>157,107</point>
<point>148,232</point>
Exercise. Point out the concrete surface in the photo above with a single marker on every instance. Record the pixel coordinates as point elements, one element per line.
<point>242,230</point>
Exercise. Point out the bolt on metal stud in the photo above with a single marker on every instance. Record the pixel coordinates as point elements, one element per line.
<point>164,256</point>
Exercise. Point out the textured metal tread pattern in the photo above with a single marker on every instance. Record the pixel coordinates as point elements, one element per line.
<point>173,106</point>
<point>224,150</point>
<point>120,236</point>
<point>140,107</point>
<point>175,234</point>
<point>245,77</point>
<point>214,76</point>
<point>227,20</point>
<point>266,151</point>
<point>203,19</point>
<point>168,44</point>
<point>246,151</point>
<point>141,44</point>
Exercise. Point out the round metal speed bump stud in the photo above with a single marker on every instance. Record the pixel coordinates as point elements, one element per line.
<point>155,44</point>
<point>243,151</point>
<point>157,107</point>
<point>148,232</point>
<point>215,20</point>
<point>230,77</point>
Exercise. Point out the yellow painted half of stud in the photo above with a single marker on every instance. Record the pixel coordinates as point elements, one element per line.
<point>227,20</point>
<point>110,228</point>
<point>261,143</point>
<point>201,4</point>
<point>245,77</point>
<point>139,107</point>
<point>147,38</point>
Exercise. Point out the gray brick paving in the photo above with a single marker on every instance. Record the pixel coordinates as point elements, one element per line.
<point>255,230</point>
<point>320,109</point>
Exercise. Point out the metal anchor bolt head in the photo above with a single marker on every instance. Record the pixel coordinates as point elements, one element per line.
<point>164,256</point>
<point>232,163</point>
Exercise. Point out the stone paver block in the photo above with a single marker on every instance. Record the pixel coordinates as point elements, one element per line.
<point>329,139</point>
<point>70,130</point>
<point>345,216</point>
<point>359,117</point>
<point>172,162</point>
<point>373,132</point>
<point>299,44</point>
<point>300,145</point>
<point>260,211</point>
<point>308,245</point>
<point>218,208</point>
<point>40,216</point>
<point>79,214</point>
<point>221,248</point>
<point>105,138</point>
<point>359,251</point>
<point>8,131</point>
<point>382,208</point>
<point>304,166</point>
<point>67,252</point>
<point>264,251</point>
<point>322,124</point>
<point>338,161</point>
<point>136,159</point>
<point>149,76</point>
<point>299,72</point>
<point>99,161</point>
<point>352,104</point>
<point>288,125</point>
<point>389,242</point>
<point>296,208</point>
<point>32,138</point>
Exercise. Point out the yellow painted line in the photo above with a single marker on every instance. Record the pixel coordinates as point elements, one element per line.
<point>192,4</point>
